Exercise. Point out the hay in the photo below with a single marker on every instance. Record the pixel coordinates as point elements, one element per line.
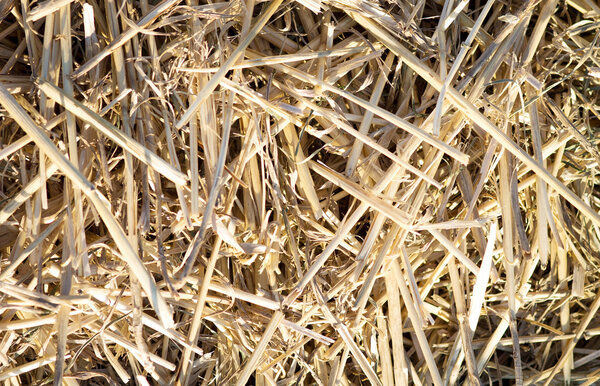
<point>329,192</point>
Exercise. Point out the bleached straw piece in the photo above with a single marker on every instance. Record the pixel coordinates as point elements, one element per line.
<point>477,297</point>
<point>539,30</point>
<point>451,224</point>
<point>543,204</point>
<point>13,147</point>
<point>449,245</point>
<point>452,16</point>
<point>49,301</point>
<point>481,282</point>
<point>46,8</point>
<point>128,253</point>
<point>126,142</point>
<point>394,315</point>
<point>27,323</point>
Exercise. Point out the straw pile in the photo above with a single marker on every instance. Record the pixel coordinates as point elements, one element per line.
<point>328,192</point>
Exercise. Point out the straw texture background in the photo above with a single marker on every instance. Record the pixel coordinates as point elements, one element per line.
<point>319,192</point>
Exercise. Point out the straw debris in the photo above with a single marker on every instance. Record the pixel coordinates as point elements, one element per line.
<point>329,192</point>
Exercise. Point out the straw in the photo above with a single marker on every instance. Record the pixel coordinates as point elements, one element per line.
<point>328,192</point>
